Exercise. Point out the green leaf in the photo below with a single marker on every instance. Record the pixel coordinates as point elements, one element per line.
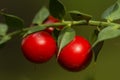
<point>93,36</point>
<point>113,12</point>
<point>57,9</point>
<point>97,48</point>
<point>34,29</point>
<point>4,39</point>
<point>76,15</point>
<point>3,29</point>
<point>55,34</point>
<point>108,33</point>
<point>41,16</point>
<point>13,21</point>
<point>66,35</point>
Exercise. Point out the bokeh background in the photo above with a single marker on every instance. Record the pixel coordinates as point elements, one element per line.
<point>13,65</point>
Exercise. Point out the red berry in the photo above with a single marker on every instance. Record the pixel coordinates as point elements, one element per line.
<point>76,55</point>
<point>39,47</point>
<point>49,20</point>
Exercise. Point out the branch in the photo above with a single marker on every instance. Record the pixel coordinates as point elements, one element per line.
<point>65,23</point>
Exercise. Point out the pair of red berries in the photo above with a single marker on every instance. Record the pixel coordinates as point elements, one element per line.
<point>39,47</point>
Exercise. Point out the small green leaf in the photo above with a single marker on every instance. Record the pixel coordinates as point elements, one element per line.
<point>57,9</point>
<point>41,16</point>
<point>34,29</point>
<point>97,48</point>
<point>93,36</point>
<point>113,12</point>
<point>76,15</point>
<point>66,35</point>
<point>3,29</point>
<point>4,39</point>
<point>13,21</point>
<point>55,34</point>
<point>108,33</point>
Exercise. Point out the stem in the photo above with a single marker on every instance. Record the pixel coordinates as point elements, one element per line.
<point>100,23</point>
<point>15,33</point>
<point>65,23</point>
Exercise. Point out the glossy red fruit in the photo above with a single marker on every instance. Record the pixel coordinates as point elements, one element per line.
<point>39,47</point>
<point>76,55</point>
<point>49,20</point>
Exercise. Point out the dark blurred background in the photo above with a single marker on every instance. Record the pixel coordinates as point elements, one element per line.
<point>13,65</point>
